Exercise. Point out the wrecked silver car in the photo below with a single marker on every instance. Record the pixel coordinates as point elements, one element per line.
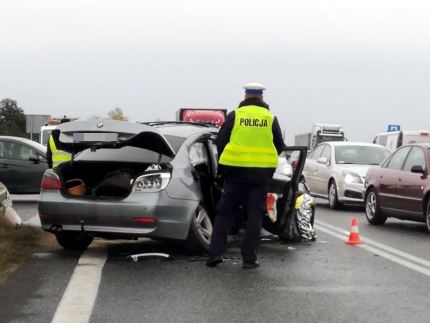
<point>157,180</point>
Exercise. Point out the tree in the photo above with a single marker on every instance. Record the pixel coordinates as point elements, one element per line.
<point>117,114</point>
<point>12,119</point>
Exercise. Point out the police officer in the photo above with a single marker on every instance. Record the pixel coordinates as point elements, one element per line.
<point>248,143</point>
<point>55,156</point>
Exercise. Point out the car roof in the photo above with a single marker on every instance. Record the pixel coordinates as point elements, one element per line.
<point>29,142</point>
<point>184,129</point>
<point>351,143</point>
<point>420,144</point>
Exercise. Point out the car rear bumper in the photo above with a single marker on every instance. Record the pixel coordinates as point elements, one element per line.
<point>118,217</point>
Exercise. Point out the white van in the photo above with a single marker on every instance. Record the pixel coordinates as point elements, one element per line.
<point>393,140</point>
<point>45,133</point>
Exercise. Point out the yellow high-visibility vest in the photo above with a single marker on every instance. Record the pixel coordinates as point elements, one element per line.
<point>58,156</point>
<point>251,139</point>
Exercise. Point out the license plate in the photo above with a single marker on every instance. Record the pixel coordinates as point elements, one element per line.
<point>95,137</point>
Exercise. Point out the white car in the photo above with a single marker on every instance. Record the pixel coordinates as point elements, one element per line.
<point>336,170</point>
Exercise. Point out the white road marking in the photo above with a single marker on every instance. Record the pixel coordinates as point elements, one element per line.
<point>382,253</point>
<point>78,300</point>
<point>34,221</point>
<point>397,252</point>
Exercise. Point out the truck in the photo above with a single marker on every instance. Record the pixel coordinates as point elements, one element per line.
<point>214,116</point>
<point>321,132</point>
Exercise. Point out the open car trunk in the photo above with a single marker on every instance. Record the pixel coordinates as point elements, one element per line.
<point>103,180</point>
<point>108,156</point>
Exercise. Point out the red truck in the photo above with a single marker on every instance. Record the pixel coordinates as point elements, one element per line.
<point>215,116</point>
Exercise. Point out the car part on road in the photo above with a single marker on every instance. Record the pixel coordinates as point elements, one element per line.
<point>136,257</point>
<point>373,212</point>
<point>73,240</point>
<point>333,199</point>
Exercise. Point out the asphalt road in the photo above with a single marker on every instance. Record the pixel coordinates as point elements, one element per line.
<point>386,280</point>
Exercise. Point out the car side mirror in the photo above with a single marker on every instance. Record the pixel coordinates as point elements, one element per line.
<point>418,169</point>
<point>34,158</point>
<point>322,160</point>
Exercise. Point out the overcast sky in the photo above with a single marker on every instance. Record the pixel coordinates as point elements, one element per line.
<point>364,64</point>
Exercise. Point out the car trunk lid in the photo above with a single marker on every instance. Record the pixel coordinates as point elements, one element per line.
<point>77,136</point>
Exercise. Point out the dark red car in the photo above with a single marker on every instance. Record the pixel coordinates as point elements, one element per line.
<point>400,187</point>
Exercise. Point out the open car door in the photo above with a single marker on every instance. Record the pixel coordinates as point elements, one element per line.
<point>285,225</point>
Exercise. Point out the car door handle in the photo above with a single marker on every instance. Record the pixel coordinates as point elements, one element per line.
<point>4,166</point>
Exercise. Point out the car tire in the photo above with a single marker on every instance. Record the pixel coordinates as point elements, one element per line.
<point>200,233</point>
<point>73,240</point>
<point>372,209</point>
<point>333,197</point>
<point>427,214</point>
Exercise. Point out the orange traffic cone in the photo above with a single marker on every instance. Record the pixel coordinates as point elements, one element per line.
<point>354,236</point>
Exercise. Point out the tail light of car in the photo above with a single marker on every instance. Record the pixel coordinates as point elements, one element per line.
<point>50,181</point>
<point>151,182</point>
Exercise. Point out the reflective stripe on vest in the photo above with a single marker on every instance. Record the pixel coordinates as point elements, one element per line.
<point>251,139</point>
<point>58,156</point>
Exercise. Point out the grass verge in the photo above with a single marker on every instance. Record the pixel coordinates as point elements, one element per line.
<point>16,245</point>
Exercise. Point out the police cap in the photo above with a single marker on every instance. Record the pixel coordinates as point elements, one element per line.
<point>254,88</point>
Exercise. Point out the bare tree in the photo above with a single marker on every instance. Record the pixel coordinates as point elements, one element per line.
<point>117,114</point>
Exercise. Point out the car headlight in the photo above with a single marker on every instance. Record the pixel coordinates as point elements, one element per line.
<point>352,178</point>
<point>152,182</point>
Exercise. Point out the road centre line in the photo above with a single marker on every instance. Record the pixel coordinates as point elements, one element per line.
<point>379,252</point>
<point>78,300</point>
<point>376,244</point>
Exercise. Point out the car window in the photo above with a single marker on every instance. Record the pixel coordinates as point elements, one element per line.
<point>317,152</point>
<point>14,151</point>
<point>360,155</point>
<point>326,153</point>
<point>175,141</point>
<point>396,161</point>
<point>382,140</point>
<point>415,158</point>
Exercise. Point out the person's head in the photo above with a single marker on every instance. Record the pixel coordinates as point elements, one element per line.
<point>254,90</point>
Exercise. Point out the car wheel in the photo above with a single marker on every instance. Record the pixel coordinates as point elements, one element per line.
<point>199,236</point>
<point>73,240</point>
<point>333,200</point>
<point>373,212</point>
<point>428,215</point>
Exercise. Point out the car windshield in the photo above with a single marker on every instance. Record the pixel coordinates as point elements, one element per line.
<point>363,155</point>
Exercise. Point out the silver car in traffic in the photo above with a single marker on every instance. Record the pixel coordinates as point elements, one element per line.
<point>336,170</point>
<point>130,180</point>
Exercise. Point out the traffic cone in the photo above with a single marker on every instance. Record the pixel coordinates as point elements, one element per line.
<point>354,236</point>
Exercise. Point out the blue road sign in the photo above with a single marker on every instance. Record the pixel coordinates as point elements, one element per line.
<point>393,127</point>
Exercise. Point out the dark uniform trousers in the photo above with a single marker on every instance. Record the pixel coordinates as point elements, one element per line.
<point>251,196</point>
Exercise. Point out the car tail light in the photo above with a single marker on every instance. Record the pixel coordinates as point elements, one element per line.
<point>145,220</point>
<point>426,134</point>
<point>50,181</point>
<point>151,182</point>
